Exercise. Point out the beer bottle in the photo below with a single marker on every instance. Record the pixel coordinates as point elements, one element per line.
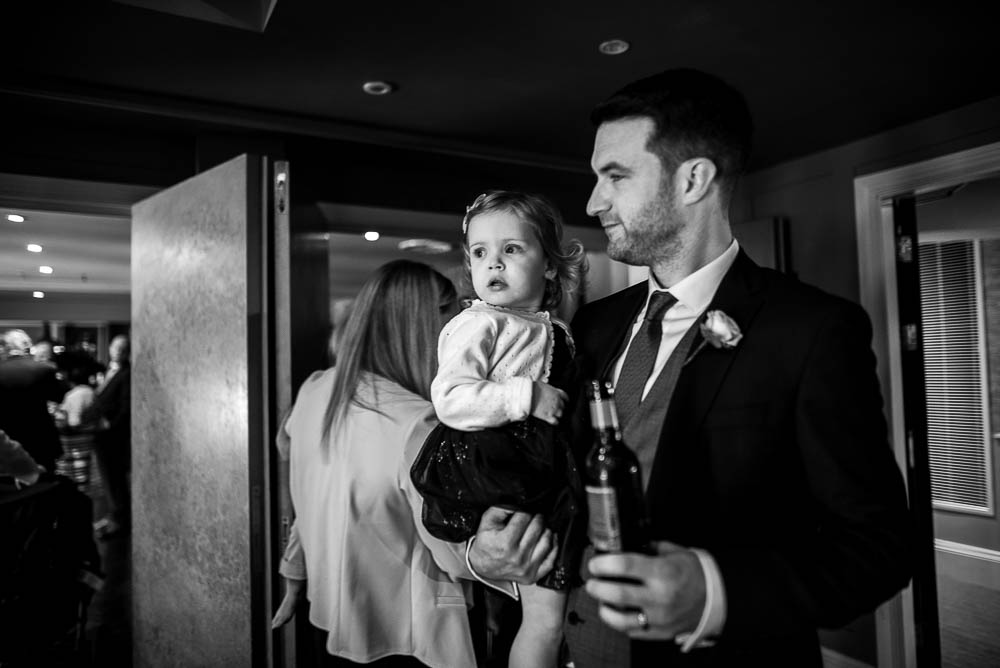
<point>618,520</point>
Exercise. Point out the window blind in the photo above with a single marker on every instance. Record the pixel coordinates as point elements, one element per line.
<point>955,365</point>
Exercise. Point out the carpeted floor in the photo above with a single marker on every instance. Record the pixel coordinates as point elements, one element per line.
<point>970,624</point>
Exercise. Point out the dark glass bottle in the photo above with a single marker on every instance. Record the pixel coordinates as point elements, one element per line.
<point>617,510</point>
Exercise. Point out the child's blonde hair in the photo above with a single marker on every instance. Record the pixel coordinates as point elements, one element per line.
<point>541,214</point>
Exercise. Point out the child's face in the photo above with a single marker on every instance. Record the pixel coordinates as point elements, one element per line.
<point>508,265</point>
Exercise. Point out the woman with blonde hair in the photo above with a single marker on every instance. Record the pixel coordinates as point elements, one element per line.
<point>381,588</point>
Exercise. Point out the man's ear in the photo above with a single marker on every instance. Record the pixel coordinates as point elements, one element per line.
<point>696,177</point>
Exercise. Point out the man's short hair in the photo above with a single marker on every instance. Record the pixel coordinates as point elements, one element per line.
<point>17,342</point>
<point>696,115</point>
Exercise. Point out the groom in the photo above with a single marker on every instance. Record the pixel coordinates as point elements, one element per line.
<point>750,399</point>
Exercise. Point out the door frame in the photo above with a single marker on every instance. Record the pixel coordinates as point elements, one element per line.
<point>895,633</point>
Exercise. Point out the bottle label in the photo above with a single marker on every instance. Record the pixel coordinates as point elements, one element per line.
<point>604,528</point>
<point>602,414</point>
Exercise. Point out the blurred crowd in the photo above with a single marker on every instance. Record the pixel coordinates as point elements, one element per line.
<point>67,413</point>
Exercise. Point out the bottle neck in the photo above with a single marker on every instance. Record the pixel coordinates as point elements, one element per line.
<point>604,419</point>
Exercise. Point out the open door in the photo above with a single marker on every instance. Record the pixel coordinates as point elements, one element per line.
<point>925,607</point>
<point>205,402</point>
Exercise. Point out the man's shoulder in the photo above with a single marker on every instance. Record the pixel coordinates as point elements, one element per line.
<point>26,369</point>
<point>787,294</point>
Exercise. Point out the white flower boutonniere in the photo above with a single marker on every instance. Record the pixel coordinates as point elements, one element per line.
<point>720,330</point>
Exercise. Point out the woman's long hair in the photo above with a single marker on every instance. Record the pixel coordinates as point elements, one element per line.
<point>392,332</point>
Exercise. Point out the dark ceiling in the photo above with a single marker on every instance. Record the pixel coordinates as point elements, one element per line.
<point>513,80</point>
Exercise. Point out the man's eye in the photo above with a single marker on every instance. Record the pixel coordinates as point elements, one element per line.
<point>616,177</point>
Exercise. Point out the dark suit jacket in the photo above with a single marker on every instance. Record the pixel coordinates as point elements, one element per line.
<point>113,402</point>
<point>26,387</point>
<point>774,457</point>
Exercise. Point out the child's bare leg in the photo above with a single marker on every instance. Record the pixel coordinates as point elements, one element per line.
<point>537,642</point>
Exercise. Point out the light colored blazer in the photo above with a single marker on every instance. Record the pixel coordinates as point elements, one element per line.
<point>378,582</point>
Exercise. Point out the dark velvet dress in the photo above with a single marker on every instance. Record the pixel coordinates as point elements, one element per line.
<point>525,465</point>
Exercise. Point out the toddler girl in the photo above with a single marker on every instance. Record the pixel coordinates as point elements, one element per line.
<point>497,395</point>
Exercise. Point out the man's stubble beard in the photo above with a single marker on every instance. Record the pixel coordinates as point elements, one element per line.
<point>653,234</point>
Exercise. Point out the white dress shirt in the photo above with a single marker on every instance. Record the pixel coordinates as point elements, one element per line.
<point>693,293</point>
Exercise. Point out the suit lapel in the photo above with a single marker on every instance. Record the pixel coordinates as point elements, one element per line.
<point>617,325</point>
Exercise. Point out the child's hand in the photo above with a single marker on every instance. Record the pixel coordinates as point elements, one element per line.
<point>547,403</point>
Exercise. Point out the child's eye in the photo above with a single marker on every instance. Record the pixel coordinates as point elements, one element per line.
<point>477,252</point>
<point>511,248</point>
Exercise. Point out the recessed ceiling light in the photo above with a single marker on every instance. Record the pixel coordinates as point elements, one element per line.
<point>424,246</point>
<point>15,217</point>
<point>38,294</point>
<point>34,248</point>
<point>45,269</point>
<point>377,87</point>
<point>371,236</point>
<point>613,47</point>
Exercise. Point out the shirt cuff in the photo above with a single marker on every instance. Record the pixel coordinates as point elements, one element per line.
<point>521,393</point>
<point>292,570</point>
<point>713,617</point>
<point>513,592</point>
<point>293,561</point>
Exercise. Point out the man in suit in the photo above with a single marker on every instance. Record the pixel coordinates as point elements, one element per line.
<point>112,411</point>
<point>751,399</point>
<point>26,388</point>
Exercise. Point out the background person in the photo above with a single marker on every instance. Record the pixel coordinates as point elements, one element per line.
<point>381,589</point>
<point>26,388</point>
<point>111,410</point>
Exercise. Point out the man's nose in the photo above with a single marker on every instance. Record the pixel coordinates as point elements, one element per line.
<point>598,203</point>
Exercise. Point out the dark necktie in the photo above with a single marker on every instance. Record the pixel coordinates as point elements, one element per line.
<point>641,356</point>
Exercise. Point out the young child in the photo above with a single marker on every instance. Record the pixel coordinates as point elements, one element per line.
<point>497,394</point>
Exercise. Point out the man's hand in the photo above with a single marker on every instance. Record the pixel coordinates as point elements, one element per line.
<point>669,589</point>
<point>547,402</point>
<point>15,461</point>
<point>295,591</point>
<point>512,546</point>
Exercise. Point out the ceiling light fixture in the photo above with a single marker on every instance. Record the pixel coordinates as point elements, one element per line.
<point>424,246</point>
<point>38,294</point>
<point>371,236</point>
<point>377,87</point>
<point>45,269</point>
<point>613,47</point>
<point>15,217</point>
<point>34,248</point>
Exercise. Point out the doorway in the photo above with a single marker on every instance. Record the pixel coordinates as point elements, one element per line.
<point>955,598</point>
<point>79,231</point>
<point>337,233</point>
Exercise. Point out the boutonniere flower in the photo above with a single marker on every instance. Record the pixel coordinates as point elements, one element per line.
<point>718,330</point>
